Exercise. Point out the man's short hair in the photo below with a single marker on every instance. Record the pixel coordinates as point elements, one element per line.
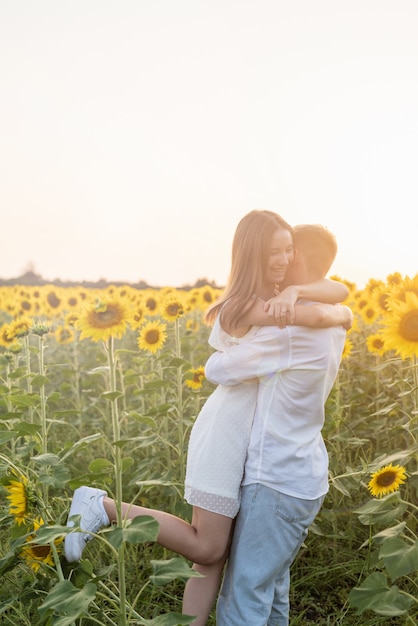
<point>317,244</point>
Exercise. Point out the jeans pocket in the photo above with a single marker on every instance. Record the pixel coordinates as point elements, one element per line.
<point>296,509</point>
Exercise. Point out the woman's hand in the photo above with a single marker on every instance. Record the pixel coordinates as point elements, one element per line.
<point>282,306</point>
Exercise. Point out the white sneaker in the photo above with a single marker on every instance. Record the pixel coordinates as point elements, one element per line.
<point>88,503</point>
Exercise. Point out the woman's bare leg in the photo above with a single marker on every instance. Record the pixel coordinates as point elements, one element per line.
<point>204,541</point>
<point>200,593</point>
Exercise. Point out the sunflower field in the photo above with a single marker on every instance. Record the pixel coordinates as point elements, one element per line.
<point>102,386</point>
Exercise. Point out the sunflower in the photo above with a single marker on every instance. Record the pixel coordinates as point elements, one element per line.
<point>171,308</point>
<point>64,335</point>
<point>34,554</point>
<point>7,336</point>
<point>71,300</point>
<point>41,328</point>
<point>369,314</point>
<point>208,295</point>
<point>387,479</point>
<point>53,302</point>
<point>195,378</point>
<point>380,298</point>
<point>18,498</point>
<point>375,343</point>
<point>137,316</point>
<point>192,326</point>
<point>104,319</point>
<point>394,279</point>
<point>71,319</point>
<point>152,336</point>
<point>398,292</point>
<point>21,326</point>
<point>151,302</point>
<point>400,330</point>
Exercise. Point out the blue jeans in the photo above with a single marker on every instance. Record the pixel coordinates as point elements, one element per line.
<point>269,530</point>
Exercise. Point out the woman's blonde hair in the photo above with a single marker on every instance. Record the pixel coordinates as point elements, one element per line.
<point>250,254</point>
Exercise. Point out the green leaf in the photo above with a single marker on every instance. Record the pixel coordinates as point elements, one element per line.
<point>10,415</point>
<point>18,373</point>
<point>127,462</point>
<point>154,385</point>
<point>55,396</point>
<point>100,465</point>
<point>39,381</point>
<point>26,428</point>
<point>382,511</point>
<point>172,569</point>
<point>400,557</point>
<point>178,362</point>
<point>24,400</point>
<point>170,619</point>
<point>85,441</point>
<point>142,419</point>
<point>47,534</point>
<point>46,459</point>
<point>68,601</point>
<point>374,594</point>
<point>392,531</point>
<point>139,530</point>
<point>7,435</point>
<point>8,562</point>
<point>339,485</point>
<point>111,395</point>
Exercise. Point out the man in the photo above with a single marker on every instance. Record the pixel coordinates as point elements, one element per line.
<point>286,472</point>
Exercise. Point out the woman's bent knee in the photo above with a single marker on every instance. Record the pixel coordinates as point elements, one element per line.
<point>211,555</point>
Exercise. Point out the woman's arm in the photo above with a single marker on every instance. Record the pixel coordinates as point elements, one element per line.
<point>316,315</point>
<point>282,306</point>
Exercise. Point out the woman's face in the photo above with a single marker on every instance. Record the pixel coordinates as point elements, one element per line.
<point>280,256</point>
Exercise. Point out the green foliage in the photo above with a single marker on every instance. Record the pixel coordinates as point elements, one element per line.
<point>63,423</point>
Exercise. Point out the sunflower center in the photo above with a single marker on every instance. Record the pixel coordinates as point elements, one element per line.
<point>53,300</point>
<point>386,479</point>
<point>152,336</point>
<point>174,309</point>
<point>151,304</point>
<point>40,552</point>
<point>105,319</point>
<point>408,327</point>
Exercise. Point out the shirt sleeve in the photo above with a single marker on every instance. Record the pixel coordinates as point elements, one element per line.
<point>255,357</point>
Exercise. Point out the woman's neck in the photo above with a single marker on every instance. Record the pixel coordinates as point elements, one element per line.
<point>266,292</point>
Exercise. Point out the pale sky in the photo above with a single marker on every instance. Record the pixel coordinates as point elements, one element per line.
<point>135,134</point>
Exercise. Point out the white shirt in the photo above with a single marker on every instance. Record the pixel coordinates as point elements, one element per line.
<point>297,367</point>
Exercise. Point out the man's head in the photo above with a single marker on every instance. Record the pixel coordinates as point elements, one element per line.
<point>315,250</point>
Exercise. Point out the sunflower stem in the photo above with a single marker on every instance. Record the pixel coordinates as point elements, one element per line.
<point>180,401</point>
<point>28,370</point>
<point>118,476</point>
<point>42,397</point>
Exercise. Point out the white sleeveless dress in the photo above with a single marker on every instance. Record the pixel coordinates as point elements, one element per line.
<point>219,439</point>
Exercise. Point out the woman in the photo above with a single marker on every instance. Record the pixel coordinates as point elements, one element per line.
<point>261,254</point>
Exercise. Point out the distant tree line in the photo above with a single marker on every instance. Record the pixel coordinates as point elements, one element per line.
<point>31,278</point>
